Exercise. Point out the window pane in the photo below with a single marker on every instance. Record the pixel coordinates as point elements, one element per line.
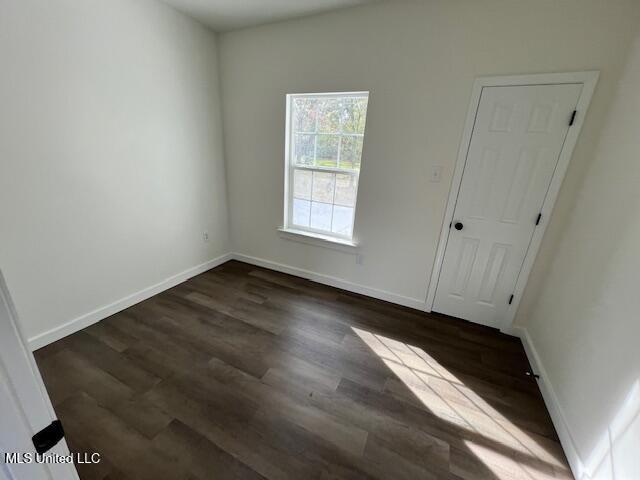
<point>302,184</point>
<point>351,152</point>
<point>305,114</point>
<point>321,216</point>
<point>323,187</point>
<point>304,147</point>
<point>301,211</point>
<point>329,115</point>
<point>327,153</point>
<point>342,220</point>
<point>354,114</point>
<point>346,190</point>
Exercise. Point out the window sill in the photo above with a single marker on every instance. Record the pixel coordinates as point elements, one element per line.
<point>317,239</point>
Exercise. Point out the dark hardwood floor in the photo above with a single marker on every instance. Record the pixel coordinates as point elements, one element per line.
<point>242,372</point>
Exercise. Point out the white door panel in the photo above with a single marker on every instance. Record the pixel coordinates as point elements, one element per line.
<point>517,138</point>
<point>25,407</point>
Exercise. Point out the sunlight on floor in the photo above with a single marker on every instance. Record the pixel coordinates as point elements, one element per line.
<point>502,446</point>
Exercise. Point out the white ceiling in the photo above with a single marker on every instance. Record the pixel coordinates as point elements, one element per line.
<point>224,15</point>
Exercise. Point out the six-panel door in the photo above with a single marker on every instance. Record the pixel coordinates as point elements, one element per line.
<point>517,138</point>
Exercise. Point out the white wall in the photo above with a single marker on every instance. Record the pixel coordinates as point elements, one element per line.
<point>585,324</point>
<point>418,60</point>
<point>111,166</point>
<point>111,162</point>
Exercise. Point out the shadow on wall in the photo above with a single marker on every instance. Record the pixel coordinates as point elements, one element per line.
<point>585,322</point>
<point>616,453</point>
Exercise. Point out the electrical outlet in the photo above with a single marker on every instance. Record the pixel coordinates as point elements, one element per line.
<point>359,259</point>
<point>205,236</point>
<point>436,173</point>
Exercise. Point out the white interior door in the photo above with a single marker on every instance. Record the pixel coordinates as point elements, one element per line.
<point>25,408</point>
<point>518,134</point>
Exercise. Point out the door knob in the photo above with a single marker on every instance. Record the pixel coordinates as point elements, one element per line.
<point>458,226</point>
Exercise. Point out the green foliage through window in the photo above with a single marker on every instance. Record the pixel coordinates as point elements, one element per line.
<point>326,141</point>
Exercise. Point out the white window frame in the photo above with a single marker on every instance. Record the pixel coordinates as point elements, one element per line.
<point>290,166</point>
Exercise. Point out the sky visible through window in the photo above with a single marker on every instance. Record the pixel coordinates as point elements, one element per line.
<point>327,134</point>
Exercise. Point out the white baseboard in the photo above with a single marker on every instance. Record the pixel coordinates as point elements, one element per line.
<point>552,403</point>
<point>103,312</point>
<point>548,393</point>
<point>418,304</point>
<point>98,314</point>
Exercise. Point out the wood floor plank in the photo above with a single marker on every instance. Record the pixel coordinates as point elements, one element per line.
<point>197,454</point>
<point>69,373</point>
<point>231,434</point>
<point>246,373</point>
<point>347,437</point>
<point>125,448</point>
<point>111,361</point>
<point>143,415</point>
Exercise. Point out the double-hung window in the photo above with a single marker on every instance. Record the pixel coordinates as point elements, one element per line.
<point>325,134</point>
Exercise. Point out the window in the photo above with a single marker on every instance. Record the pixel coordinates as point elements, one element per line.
<point>325,134</point>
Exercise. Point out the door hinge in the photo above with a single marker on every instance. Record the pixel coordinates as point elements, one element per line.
<point>573,117</point>
<point>48,437</point>
<point>510,299</point>
<point>538,219</point>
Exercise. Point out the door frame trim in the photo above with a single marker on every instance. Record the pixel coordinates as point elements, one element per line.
<point>589,79</point>
<point>24,385</point>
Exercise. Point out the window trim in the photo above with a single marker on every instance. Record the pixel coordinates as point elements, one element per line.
<point>289,168</point>
<point>317,239</point>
